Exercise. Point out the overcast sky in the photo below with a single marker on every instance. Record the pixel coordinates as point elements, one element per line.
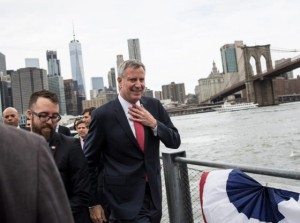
<point>179,39</point>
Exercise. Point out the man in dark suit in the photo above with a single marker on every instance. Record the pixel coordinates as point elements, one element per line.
<point>132,180</point>
<point>31,187</point>
<point>68,155</point>
<point>63,130</point>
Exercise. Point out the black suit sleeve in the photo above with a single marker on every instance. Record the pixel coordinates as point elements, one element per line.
<point>166,131</point>
<point>52,202</point>
<point>79,177</point>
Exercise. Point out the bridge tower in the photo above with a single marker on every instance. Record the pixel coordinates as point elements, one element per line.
<point>261,91</point>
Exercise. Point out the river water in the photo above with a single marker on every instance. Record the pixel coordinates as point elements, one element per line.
<point>266,136</point>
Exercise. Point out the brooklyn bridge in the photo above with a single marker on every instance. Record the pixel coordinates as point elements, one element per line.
<point>259,87</point>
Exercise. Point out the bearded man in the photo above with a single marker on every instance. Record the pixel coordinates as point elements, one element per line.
<point>44,115</point>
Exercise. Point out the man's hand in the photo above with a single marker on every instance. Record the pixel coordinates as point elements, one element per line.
<point>97,214</point>
<point>141,115</point>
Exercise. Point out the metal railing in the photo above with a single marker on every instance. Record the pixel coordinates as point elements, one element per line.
<point>181,201</point>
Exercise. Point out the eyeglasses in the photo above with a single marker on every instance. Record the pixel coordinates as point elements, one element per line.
<point>44,116</point>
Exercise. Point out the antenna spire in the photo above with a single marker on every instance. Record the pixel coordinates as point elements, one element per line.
<point>73,31</point>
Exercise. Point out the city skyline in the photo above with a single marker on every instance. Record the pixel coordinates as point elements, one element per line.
<point>178,43</point>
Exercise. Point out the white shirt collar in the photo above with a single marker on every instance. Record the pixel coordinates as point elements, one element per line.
<point>125,104</point>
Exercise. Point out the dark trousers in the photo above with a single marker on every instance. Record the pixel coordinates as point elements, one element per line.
<point>147,214</point>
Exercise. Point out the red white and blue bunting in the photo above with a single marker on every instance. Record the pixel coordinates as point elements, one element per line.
<point>231,196</point>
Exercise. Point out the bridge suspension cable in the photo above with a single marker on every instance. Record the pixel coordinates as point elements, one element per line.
<point>284,50</point>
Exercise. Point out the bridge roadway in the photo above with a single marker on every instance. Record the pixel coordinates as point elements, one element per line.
<point>186,110</point>
<point>280,69</point>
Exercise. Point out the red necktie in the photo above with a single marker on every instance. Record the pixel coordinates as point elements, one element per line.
<point>140,135</point>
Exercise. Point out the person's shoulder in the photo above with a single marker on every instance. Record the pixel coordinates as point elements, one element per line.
<point>25,128</point>
<point>107,106</point>
<point>150,100</point>
<point>68,143</point>
<point>19,138</point>
<point>63,127</point>
<point>64,138</point>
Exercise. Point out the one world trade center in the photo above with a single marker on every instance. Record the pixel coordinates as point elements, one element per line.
<point>77,66</point>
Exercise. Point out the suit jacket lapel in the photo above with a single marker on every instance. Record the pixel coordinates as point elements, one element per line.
<point>54,144</point>
<point>122,119</point>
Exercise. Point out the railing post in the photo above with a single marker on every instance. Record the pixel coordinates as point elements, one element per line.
<point>177,188</point>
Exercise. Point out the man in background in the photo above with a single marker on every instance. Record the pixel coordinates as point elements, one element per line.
<point>82,130</point>
<point>31,187</point>
<point>44,115</point>
<point>86,115</point>
<point>11,117</point>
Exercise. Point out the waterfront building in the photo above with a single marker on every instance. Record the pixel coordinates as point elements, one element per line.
<point>211,85</point>
<point>77,65</point>
<point>24,82</point>
<point>112,83</point>
<point>97,83</point>
<point>134,49</point>
<point>2,64</point>
<point>148,93</point>
<point>285,86</point>
<point>158,95</point>
<point>233,63</point>
<point>102,98</point>
<point>56,85</point>
<point>93,94</point>
<point>71,96</point>
<point>32,62</point>
<point>97,86</point>
<point>120,60</point>
<point>175,92</point>
<point>5,93</point>
<point>287,75</point>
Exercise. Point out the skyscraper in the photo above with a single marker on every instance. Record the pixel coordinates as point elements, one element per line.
<point>2,65</point>
<point>24,82</point>
<point>134,49</point>
<point>231,55</point>
<point>97,83</point>
<point>71,97</point>
<point>53,63</point>
<point>175,92</point>
<point>32,62</point>
<point>112,83</point>
<point>55,81</point>
<point>119,61</point>
<point>77,65</point>
<point>5,92</point>
<point>97,86</point>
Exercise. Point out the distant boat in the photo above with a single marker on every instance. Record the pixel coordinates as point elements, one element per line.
<point>227,106</point>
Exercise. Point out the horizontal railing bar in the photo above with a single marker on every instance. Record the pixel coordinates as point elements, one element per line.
<point>246,168</point>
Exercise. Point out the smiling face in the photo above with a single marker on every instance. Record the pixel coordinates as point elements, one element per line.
<point>132,84</point>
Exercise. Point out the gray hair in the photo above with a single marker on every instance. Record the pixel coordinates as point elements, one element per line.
<point>129,63</point>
